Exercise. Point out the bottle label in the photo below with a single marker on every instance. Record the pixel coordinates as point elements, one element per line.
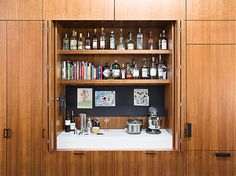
<point>130,46</point>
<point>80,45</point>
<point>95,45</point>
<point>144,73</point>
<point>102,44</point>
<point>123,74</point>
<point>106,73</point>
<point>73,44</point>
<point>160,73</point>
<point>72,126</point>
<point>116,73</point>
<point>112,43</point>
<point>153,72</point>
<point>164,44</point>
<point>135,73</point>
<point>67,122</point>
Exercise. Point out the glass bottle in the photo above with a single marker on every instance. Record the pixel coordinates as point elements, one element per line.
<point>72,122</point>
<point>123,71</point>
<point>80,42</point>
<point>102,40</point>
<point>150,41</point>
<point>132,67</point>
<point>139,39</point>
<point>128,71</point>
<point>87,42</point>
<point>164,41</point>
<point>67,123</point>
<point>106,71</point>
<point>73,41</point>
<point>130,43</point>
<point>145,70</point>
<point>136,72</point>
<point>160,41</point>
<point>153,70</point>
<point>161,69</point>
<point>115,70</point>
<point>65,43</point>
<point>121,45</point>
<point>112,41</point>
<point>95,40</point>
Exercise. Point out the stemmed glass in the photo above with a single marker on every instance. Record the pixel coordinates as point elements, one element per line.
<point>106,120</point>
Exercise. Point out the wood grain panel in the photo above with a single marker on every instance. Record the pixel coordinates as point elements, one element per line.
<point>21,9</point>
<point>78,10</point>
<point>211,88</point>
<point>24,101</point>
<point>211,32</point>
<point>149,9</point>
<point>206,163</point>
<point>211,10</point>
<point>3,97</point>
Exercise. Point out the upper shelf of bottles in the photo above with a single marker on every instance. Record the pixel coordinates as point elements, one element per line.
<point>118,52</point>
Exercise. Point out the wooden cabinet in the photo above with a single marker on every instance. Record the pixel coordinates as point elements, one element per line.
<point>207,163</point>
<point>24,97</point>
<point>211,32</point>
<point>3,97</point>
<point>78,10</point>
<point>21,10</point>
<point>149,10</point>
<point>211,10</point>
<point>211,85</point>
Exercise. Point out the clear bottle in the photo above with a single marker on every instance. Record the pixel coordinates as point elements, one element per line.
<point>153,70</point>
<point>115,70</point>
<point>95,40</point>
<point>136,72</point>
<point>112,41</point>
<point>145,70</point>
<point>103,40</point>
<point>161,69</point>
<point>150,41</point>
<point>121,45</point>
<point>72,122</point>
<point>164,41</point>
<point>132,67</point>
<point>123,71</point>
<point>139,39</point>
<point>87,42</point>
<point>129,74</point>
<point>73,41</point>
<point>89,126</point>
<point>80,42</point>
<point>130,43</point>
<point>160,41</point>
<point>65,43</point>
<point>106,71</point>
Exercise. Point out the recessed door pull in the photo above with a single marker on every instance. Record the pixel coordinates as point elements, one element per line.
<point>223,154</point>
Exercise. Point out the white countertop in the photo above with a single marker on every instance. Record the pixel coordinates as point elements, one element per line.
<point>115,139</point>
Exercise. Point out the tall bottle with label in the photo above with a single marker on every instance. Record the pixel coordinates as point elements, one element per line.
<point>160,42</point>
<point>80,42</point>
<point>103,40</point>
<point>87,42</point>
<point>67,123</point>
<point>130,43</point>
<point>72,122</point>
<point>121,45</point>
<point>129,74</point>
<point>150,41</point>
<point>106,71</point>
<point>136,71</point>
<point>145,70</point>
<point>123,71</point>
<point>153,70</point>
<point>112,41</point>
<point>95,40</point>
<point>65,43</point>
<point>164,42</point>
<point>115,70</point>
<point>162,69</point>
<point>73,41</point>
<point>139,39</point>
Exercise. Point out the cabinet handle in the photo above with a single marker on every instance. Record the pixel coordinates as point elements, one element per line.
<point>223,154</point>
<point>150,153</point>
<point>79,153</point>
<point>7,133</point>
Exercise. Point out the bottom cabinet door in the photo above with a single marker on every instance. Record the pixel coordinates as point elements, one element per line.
<point>211,163</point>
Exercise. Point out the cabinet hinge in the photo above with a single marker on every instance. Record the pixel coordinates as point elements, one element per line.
<point>6,133</point>
<point>47,29</point>
<point>180,104</point>
<point>43,133</point>
<point>48,104</point>
<point>188,130</point>
<point>180,67</point>
<point>180,29</point>
<point>48,67</point>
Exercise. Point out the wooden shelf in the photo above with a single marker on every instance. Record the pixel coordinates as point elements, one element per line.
<point>112,82</point>
<point>103,52</point>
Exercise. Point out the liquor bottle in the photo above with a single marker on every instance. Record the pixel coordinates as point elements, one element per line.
<point>128,71</point>
<point>87,42</point>
<point>161,69</point>
<point>139,39</point>
<point>160,42</point>
<point>164,40</point>
<point>112,41</point>
<point>67,123</point>
<point>130,43</point>
<point>136,72</point>
<point>122,71</point>
<point>132,67</point>
<point>115,70</point>
<point>145,70</point>
<point>153,70</point>
<point>65,43</point>
<point>80,42</point>
<point>73,41</point>
<point>150,41</point>
<point>106,71</point>
<point>72,122</point>
<point>121,45</point>
<point>103,40</point>
<point>95,40</point>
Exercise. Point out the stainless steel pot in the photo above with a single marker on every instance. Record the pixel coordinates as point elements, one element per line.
<point>134,126</point>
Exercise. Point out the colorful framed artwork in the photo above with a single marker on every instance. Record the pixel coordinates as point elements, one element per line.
<point>84,98</point>
<point>105,98</point>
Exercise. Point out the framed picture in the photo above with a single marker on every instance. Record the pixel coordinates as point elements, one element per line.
<point>141,97</point>
<point>105,98</point>
<point>84,98</point>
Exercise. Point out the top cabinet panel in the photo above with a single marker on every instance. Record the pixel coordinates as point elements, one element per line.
<point>78,10</point>
<point>21,9</point>
<point>149,9</point>
<point>211,10</point>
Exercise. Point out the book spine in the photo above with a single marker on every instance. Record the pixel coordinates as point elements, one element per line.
<point>63,70</point>
<point>68,70</point>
